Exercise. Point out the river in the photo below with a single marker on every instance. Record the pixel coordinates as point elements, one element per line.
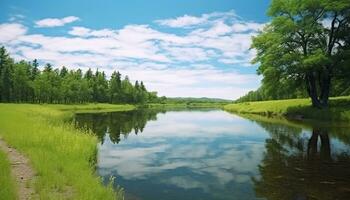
<point>212,154</point>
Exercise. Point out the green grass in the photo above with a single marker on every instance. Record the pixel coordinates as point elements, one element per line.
<point>339,109</point>
<point>62,156</point>
<point>7,183</point>
<point>84,108</point>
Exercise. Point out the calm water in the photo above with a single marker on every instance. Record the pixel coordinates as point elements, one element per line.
<point>211,154</point>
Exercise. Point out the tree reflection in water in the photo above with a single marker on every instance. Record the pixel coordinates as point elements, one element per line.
<point>297,166</point>
<point>116,124</point>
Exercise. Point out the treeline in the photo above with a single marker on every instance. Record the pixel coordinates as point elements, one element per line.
<point>280,89</point>
<point>189,100</point>
<point>24,82</point>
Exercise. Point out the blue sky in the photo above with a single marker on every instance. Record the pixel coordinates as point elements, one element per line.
<point>178,48</point>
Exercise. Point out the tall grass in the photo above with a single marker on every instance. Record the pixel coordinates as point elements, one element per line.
<point>7,183</point>
<point>62,156</point>
<point>339,109</point>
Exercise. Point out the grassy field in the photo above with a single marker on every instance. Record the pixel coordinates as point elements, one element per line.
<point>62,156</point>
<point>7,184</point>
<point>339,109</point>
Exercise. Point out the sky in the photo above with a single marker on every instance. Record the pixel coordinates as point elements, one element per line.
<point>178,48</point>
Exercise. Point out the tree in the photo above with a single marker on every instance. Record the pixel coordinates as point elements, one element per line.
<point>47,85</point>
<point>74,88</point>
<point>127,90</point>
<point>34,70</point>
<point>6,72</point>
<point>63,72</point>
<point>22,84</point>
<point>307,41</point>
<point>115,87</point>
<point>101,87</point>
<point>88,77</point>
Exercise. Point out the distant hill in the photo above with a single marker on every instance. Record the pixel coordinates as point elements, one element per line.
<point>196,100</point>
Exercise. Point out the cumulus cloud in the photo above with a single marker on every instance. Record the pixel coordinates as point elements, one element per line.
<point>86,32</point>
<point>53,22</point>
<point>249,26</point>
<point>183,21</point>
<point>189,21</point>
<point>11,31</point>
<point>186,64</point>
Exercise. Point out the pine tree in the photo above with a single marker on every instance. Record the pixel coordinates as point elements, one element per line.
<point>6,72</point>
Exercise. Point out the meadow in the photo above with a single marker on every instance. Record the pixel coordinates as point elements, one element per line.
<point>62,156</point>
<point>339,109</point>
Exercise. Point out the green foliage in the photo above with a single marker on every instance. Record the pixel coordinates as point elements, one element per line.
<point>24,82</point>
<point>306,45</point>
<point>6,72</point>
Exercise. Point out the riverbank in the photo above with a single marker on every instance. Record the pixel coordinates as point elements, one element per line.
<point>62,156</point>
<point>301,109</point>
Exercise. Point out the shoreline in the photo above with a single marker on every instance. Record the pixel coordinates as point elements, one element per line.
<point>62,156</point>
<point>296,109</point>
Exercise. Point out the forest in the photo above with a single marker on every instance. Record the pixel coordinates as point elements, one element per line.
<point>24,82</point>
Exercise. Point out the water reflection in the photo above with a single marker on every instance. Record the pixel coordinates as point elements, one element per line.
<point>303,166</point>
<point>116,124</point>
<point>216,155</point>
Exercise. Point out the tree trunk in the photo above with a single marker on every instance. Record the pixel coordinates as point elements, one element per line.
<point>325,151</point>
<point>324,83</point>
<point>325,89</point>
<point>312,90</point>
<point>312,145</point>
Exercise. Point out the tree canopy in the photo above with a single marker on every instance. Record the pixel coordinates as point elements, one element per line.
<point>306,45</point>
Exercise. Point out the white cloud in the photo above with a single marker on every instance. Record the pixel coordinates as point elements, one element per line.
<point>186,64</point>
<point>187,53</point>
<point>195,82</point>
<point>53,22</point>
<point>80,31</point>
<point>187,21</point>
<point>11,31</point>
<point>16,18</point>
<point>86,32</point>
<point>183,21</point>
<point>249,26</point>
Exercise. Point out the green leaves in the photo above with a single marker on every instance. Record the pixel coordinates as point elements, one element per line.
<point>315,61</point>
<point>305,38</point>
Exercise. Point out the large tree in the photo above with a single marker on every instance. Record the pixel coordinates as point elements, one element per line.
<point>307,42</point>
<point>115,87</point>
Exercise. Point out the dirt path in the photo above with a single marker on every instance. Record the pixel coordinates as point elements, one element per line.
<point>21,170</point>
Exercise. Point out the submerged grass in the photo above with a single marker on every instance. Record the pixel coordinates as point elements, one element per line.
<point>339,109</point>
<point>62,156</point>
<point>7,183</point>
